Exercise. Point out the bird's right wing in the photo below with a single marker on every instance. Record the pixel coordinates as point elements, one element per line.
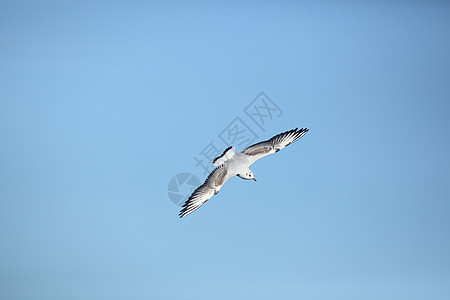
<point>273,145</point>
<point>203,193</point>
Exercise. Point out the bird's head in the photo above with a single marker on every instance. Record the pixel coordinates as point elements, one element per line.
<point>247,175</point>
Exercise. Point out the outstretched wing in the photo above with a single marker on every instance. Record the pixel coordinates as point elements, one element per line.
<point>203,193</point>
<point>273,145</point>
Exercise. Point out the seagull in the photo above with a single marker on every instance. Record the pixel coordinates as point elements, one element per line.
<point>229,164</point>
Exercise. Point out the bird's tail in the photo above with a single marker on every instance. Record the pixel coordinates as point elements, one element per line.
<point>226,155</point>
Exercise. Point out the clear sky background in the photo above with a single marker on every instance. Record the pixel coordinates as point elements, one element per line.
<point>102,103</point>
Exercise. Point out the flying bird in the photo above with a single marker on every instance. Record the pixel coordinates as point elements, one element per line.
<point>229,164</point>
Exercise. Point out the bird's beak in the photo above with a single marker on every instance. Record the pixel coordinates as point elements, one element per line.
<point>254,179</point>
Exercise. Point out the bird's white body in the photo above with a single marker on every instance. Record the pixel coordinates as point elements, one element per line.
<point>237,164</point>
<point>230,164</point>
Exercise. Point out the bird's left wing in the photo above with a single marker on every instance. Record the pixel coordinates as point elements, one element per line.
<point>273,145</point>
<point>209,188</point>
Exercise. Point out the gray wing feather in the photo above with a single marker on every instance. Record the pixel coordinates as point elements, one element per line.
<point>203,193</point>
<point>273,145</point>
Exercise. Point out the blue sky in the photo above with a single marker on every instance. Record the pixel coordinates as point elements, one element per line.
<point>102,103</point>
